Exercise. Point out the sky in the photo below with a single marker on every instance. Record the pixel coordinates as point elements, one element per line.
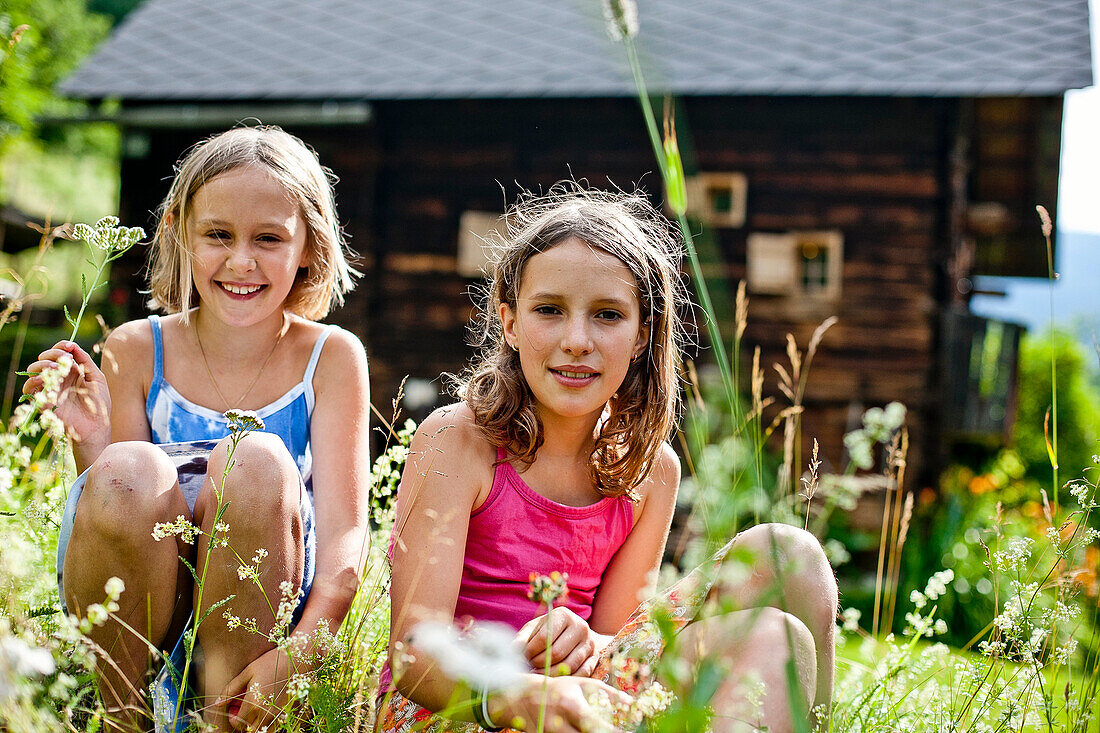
<point>1078,195</point>
<point>1075,301</point>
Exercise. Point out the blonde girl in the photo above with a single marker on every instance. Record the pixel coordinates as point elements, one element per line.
<point>556,460</point>
<point>248,255</point>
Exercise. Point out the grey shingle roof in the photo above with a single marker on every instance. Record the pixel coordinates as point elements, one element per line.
<point>379,49</point>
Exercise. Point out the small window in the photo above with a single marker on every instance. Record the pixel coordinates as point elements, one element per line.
<point>718,199</point>
<point>795,263</point>
<point>476,231</point>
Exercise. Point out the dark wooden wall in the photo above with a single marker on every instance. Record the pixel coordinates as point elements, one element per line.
<point>873,169</point>
<point>878,170</point>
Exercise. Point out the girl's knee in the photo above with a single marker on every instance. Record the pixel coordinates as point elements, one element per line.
<point>263,478</point>
<point>128,489</point>
<point>779,630</point>
<point>791,549</point>
<point>793,558</point>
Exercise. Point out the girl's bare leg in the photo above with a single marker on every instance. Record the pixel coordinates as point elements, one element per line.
<point>262,495</point>
<point>789,571</point>
<point>755,646</point>
<point>130,487</point>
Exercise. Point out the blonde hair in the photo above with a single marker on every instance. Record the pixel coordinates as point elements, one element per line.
<point>328,275</point>
<point>644,410</point>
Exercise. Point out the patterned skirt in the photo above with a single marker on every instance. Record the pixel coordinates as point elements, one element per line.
<point>627,663</point>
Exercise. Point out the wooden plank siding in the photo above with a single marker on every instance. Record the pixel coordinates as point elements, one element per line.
<point>875,169</point>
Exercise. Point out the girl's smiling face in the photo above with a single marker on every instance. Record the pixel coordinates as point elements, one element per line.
<point>577,326</point>
<point>248,241</point>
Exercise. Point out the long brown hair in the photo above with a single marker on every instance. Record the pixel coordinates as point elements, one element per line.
<point>645,408</point>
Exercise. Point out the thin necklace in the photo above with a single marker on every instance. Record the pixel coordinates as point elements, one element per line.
<point>209,373</point>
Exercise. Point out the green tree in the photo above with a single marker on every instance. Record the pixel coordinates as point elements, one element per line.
<point>59,34</point>
<point>50,166</point>
<point>116,9</point>
<point>1078,406</point>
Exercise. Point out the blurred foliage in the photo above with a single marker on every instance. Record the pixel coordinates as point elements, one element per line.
<point>59,34</point>
<point>61,185</point>
<point>50,167</point>
<point>1078,406</point>
<point>116,10</point>
<point>985,498</point>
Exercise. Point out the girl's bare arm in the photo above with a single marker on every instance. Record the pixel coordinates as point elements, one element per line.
<point>630,577</point>
<point>128,367</point>
<point>340,443</point>
<point>100,406</point>
<point>449,465</point>
<point>449,472</point>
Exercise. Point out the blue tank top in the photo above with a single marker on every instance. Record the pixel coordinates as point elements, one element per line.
<point>175,419</point>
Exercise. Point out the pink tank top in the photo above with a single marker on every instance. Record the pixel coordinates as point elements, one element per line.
<point>517,531</point>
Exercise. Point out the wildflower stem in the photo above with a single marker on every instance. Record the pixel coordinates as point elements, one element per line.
<point>87,295</point>
<point>693,256</point>
<point>219,491</point>
<point>1053,376</point>
<point>546,665</point>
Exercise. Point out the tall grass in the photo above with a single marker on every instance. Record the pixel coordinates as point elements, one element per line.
<point>1030,673</point>
<point>1034,667</point>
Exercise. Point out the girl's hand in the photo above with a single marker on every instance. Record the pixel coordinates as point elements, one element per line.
<point>567,707</point>
<point>83,402</point>
<point>575,648</point>
<point>258,695</point>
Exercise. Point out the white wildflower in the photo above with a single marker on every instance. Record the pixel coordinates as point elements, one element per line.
<point>836,552</point>
<point>1080,490</point>
<point>880,424</point>
<point>651,701</point>
<point>859,447</point>
<point>288,602</point>
<point>484,657</point>
<point>1008,619</point>
<point>97,614</point>
<point>918,625</point>
<point>298,687</point>
<point>1014,555</point>
<point>851,618</point>
<point>246,572</point>
<point>52,424</point>
<point>22,417</point>
<point>937,584</point>
<point>1063,654</point>
<point>6,480</point>
<point>243,421</point>
<point>114,587</point>
<point>108,236</point>
<point>20,661</point>
<point>220,536</point>
<point>1060,613</point>
<point>181,527</point>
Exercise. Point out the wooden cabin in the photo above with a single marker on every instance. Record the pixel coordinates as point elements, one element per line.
<point>849,158</point>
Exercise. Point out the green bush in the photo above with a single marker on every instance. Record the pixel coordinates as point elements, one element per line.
<point>1078,420</point>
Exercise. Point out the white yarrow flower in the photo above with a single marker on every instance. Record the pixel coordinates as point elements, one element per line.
<point>20,661</point>
<point>114,587</point>
<point>484,657</point>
